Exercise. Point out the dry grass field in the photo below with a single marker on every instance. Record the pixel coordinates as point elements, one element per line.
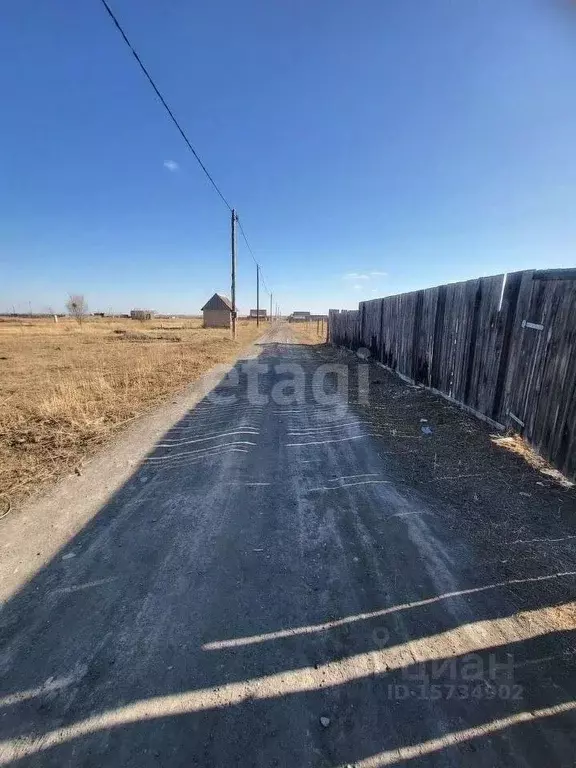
<point>309,333</point>
<point>65,387</point>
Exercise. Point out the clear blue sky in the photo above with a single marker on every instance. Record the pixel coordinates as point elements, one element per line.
<point>431,140</point>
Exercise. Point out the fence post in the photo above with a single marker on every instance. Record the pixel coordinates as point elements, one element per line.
<point>473,342</point>
<point>362,308</point>
<point>438,338</point>
<point>510,293</point>
<point>415,374</point>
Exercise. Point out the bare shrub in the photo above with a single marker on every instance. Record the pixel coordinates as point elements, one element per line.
<point>77,307</point>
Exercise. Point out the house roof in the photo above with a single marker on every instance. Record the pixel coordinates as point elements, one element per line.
<point>218,302</point>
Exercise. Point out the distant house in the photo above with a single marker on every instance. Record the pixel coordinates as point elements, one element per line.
<point>261,313</point>
<point>299,317</point>
<point>217,312</point>
<point>141,314</point>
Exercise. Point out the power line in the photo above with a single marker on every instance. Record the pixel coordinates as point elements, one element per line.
<point>264,283</point>
<point>254,259</point>
<point>251,252</point>
<point>164,104</point>
<point>182,133</point>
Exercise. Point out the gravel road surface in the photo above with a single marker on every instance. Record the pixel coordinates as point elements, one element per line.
<point>248,583</point>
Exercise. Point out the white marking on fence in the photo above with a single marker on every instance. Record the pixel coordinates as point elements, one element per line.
<point>534,326</point>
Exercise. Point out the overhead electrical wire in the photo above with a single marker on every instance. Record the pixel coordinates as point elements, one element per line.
<point>251,252</point>
<point>164,104</point>
<point>181,130</point>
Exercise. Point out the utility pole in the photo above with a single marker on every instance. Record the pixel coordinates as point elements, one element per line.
<point>233,290</point>
<point>270,308</point>
<point>257,295</point>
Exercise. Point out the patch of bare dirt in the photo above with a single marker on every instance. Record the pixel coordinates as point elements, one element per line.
<point>505,501</point>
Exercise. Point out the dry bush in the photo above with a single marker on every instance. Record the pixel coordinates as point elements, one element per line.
<point>77,307</point>
<point>64,388</point>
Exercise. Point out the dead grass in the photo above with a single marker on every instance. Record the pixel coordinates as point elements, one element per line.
<point>63,388</point>
<point>309,333</point>
<point>516,445</point>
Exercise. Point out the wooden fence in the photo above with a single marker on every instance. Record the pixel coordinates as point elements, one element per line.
<point>503,347</point>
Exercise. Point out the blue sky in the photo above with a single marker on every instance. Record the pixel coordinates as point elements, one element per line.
<point>370,148</point>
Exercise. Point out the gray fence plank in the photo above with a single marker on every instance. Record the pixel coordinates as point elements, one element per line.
<point>503,346</point>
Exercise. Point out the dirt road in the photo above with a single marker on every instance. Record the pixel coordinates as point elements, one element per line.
<point>266,590</point>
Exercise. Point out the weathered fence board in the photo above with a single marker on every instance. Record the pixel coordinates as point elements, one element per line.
<point>503,346</point>
<point>541,383</point>
<point>486,346</point>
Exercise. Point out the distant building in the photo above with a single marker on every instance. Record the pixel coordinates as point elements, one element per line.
<point>141,314</point>
<point>299,317</point>
<point>254,313</point>
<point>217,312</point>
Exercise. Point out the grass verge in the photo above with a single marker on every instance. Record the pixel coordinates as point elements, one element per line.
<point>65,388</point>
<point>310,333</point>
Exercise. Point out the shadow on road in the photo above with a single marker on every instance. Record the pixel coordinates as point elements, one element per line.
<point>241,601</point>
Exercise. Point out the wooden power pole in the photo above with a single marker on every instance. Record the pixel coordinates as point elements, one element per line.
<point>270,308</point>
<point>233,288</point>
<point>257,295</point>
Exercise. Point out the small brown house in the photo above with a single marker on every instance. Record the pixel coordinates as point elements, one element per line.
<point>217,312</point>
